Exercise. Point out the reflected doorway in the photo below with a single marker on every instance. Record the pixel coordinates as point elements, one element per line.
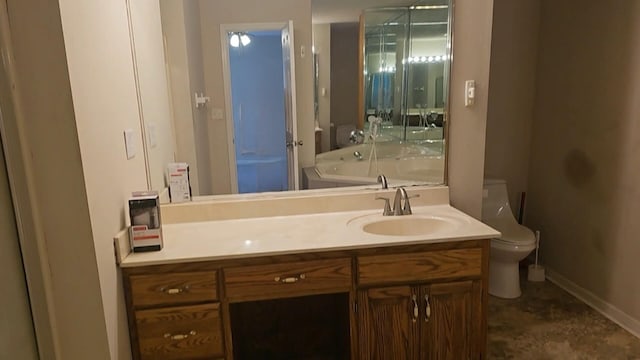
<point>259,86</point>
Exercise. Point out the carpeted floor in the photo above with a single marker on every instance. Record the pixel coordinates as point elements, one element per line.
<point>548,323</point>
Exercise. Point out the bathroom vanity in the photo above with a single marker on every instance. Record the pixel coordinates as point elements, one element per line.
<point>346,284</point>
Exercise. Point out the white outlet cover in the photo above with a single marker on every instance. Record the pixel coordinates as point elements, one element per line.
<point>130,143</point>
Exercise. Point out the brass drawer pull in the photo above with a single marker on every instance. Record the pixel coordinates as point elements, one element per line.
<point>174,291</point>
<point>414,299</point>
<point>427,309</point>
<point>180,336</point>
<point>290,279</point>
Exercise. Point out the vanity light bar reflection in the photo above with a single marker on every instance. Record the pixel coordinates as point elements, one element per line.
<point>415,60</point>
<point>425,59</point>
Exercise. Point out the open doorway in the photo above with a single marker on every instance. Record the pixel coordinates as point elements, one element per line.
<point>260,100</point>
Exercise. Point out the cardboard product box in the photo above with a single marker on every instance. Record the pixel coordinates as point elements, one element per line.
<point>145,232</point>
<point>179,183</point>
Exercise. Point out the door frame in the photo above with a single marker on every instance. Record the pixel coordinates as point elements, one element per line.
<point>228,103</point>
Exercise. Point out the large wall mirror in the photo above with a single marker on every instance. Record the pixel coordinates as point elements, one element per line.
<point>293,94</point>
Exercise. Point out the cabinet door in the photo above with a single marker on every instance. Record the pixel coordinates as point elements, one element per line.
<point>388,323</point>
<point>450,321</point>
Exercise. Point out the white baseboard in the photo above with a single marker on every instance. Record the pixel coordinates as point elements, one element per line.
<point>611,312</point>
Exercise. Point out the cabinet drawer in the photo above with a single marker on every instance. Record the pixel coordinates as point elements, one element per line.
<point>290,279</point>
<point>185,332</point>
<point>424,266</point>
<point>174,289</point>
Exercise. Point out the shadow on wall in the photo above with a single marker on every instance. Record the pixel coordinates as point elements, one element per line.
<point>583,192</point>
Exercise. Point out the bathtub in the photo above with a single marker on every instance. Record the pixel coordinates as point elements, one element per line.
<point>401,163</point>
<point>261,173</point>
<point>414,133</point>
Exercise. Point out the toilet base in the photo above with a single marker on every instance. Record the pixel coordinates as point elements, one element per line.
<point>504,279</point>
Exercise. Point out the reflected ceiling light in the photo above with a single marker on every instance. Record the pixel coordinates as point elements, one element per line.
<point>237,39</point>
<point>244,39</point>
<point>425,59</point>
<point>234,40</point>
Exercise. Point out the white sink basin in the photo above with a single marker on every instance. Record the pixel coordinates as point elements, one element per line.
<point>406,225</point>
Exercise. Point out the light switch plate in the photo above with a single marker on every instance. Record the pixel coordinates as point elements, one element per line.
<point>152,134</point>
<point>469,93</point>
<point>130,143</point>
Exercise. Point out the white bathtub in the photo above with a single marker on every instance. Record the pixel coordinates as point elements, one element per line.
<point>400,163</point>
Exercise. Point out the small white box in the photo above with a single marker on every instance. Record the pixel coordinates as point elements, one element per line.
<point>145,232</point>
<point>178,180</point>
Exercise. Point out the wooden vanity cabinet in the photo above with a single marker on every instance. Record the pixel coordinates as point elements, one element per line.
<point>422,305</point>
<point>402,302</point>
<point>174,314</point>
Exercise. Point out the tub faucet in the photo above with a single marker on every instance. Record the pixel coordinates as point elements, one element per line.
<point>356,137</point>
<point>383,180</point>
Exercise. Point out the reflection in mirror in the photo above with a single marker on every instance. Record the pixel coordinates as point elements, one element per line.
<point>381,110</point>
<point>401,130</point>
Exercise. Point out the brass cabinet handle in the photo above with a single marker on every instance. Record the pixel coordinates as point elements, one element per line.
<point>180,336</point>
<point>415,307</point>
<point>289,279</point>
<point>427,309</point>
<point>174,291</point>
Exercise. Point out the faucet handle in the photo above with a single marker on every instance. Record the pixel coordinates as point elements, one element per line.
<point>406,209</point>
<point>387,208</point>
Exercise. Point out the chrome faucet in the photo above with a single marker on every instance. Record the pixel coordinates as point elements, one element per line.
<point>398,208</point>
<point>401,205</point>
<point>383,180</point>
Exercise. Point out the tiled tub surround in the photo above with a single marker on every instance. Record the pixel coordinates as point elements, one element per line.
<point>297,246</point>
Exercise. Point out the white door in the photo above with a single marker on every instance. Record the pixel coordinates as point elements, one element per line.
<point>289,63</point>
<point>234,113</point>
<point>17,338</point>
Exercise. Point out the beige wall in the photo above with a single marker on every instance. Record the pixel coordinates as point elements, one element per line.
<point>344,75</point>
<point>214,13</point>
<point>197,82</point>
<point>322,46</point>
<point>514,48</point>
<point>471,51</point>
<point>96,35</point>
<point>62,194</point>
<point>584,175</point>
<point>181,30</point>
<point>153,90</point>
<point>16,327</point>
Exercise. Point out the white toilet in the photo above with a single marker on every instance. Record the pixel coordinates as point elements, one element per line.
<point>515,244</point>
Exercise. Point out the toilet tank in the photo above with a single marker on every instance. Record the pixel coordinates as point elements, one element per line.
<point>495,200</point>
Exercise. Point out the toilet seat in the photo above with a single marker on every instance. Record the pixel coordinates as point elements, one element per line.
<point>513,233</point>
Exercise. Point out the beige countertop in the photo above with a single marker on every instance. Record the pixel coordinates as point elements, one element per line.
<point>314,232</point>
